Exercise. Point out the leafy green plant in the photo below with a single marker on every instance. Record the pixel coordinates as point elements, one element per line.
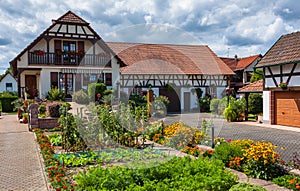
<point>246,187</point>
<point>225,152</point>
<point>182,173</point>
<point>55,94</point>
<point>71,139</point>
<point>229,113</point>
<point>42,109</point>
<point>55,139</point>
<point>288,181</point>
<point>80,97</point>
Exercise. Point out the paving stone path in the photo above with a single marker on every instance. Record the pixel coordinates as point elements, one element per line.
<point>20,166</point>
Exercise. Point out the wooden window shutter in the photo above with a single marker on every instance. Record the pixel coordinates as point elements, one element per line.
<point>57,45</point>
<point>54,79</point>
<point>80,46</point>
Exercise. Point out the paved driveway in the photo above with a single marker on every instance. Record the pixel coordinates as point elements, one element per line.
<point>20,167</point>
<point>278,135</point>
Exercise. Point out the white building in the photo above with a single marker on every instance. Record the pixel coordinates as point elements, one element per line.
<point>8,83</point>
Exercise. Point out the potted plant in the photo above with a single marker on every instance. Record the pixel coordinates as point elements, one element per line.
<point>25,118</point>
<point>283,85</point>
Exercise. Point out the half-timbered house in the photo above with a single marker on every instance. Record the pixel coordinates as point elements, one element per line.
<point>70,54</point>
<point>281,68</point>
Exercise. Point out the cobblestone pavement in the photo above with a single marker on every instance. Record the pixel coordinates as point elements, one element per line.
<point>282,136</point>
<point>20,166</point>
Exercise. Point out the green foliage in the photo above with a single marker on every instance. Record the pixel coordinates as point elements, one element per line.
<point>235,109</point>
<point>7,103</point>
<point>218,105</point>
<point>204,103</point>
<point>225,152</point>
<point>255,103</point>
<point>180,173</point>
<point>137,100</point>
<point>94,89</point>
<point>257,75</point>
<point>71,139</point>
<point>163,99</point>
<point>229,113</point>
<point>55,94</point>
<point>55,139</point>
<point>80,97</point>
<point>246,187</point>
<point>288,181</point>
<point>42,109</point>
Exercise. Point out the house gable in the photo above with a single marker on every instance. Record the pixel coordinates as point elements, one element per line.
<point>281,63</point>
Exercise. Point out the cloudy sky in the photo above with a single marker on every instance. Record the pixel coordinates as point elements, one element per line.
<point>244,27</point>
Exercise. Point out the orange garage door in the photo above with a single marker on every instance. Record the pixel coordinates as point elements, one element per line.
<point>287,108</point>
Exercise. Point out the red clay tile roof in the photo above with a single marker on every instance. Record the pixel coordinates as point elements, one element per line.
<point>242,63</point>
<point>70,17</point>
<point>168,59</point>
<point>252,87</point>
<point>285,50</point>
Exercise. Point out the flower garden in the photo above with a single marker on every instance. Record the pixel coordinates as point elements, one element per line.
<point>123,149</point>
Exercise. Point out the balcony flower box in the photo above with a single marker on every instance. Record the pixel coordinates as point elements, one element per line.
<point>39,52</point>
<point>283,85</point>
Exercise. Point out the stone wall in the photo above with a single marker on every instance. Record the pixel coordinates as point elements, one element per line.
<point>47,123</point>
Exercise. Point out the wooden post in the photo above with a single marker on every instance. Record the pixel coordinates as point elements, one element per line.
<point>247,106</point>
<point>150,99</point>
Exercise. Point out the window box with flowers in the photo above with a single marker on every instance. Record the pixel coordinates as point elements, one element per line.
<point>283,85</point>
<point>39,52</point>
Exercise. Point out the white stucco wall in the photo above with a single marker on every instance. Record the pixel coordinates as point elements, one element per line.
<point>266,106</point>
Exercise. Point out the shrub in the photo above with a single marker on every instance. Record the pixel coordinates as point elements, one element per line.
<point>55,139</point>
<point>226,152</point>
<point>94,89</point>
<point>246,187</point>
<point>7,103</point>
<point>262,161</point>
<point>55,94</point>
<point>53,109</point>
<point>80,97</point>
<point>255,103</point>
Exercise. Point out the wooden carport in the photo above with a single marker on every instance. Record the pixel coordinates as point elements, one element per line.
<point>255,87</point>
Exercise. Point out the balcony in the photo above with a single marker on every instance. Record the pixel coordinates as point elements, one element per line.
<point>44,58</point>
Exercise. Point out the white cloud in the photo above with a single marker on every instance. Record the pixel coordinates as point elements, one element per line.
<point>246,27</point>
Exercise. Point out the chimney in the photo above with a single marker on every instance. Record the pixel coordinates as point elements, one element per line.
<point>236,60</point>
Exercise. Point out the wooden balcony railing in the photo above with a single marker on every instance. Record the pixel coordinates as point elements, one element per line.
<point>69,59</point>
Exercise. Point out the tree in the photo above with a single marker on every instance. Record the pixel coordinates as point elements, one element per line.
<point>255,103</point>
<point>257,75</point>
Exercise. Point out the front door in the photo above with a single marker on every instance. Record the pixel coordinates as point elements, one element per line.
<point>187,101</point>
<point>66,84</point>
<point>30,85</point>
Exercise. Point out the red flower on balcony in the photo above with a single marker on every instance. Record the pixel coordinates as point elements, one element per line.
<point>39,52</point>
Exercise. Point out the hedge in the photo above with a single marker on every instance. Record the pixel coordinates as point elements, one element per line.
<point>6,103</point>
